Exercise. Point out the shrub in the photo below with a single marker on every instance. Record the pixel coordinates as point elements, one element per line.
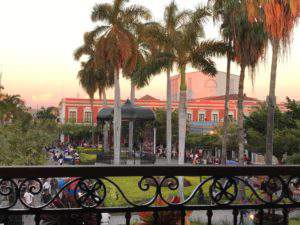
<point>89,150</point>
<point>87,158</point>
<point>294,159</point>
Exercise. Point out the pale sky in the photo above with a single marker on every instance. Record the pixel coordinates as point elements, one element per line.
<point>38,37</point>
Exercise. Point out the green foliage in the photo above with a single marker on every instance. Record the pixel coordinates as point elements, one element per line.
<point>294,159</point>
<point>257,120</point>
<point>204,141</point>
<point>76,132</point>
<point>161,126</point>
<point>286,133</point>
<point>87,158</point>
<point>12,108</point>
<point>293,109</point>
<point>89,150</point>
<point>19,146</point>
<point>46,114</point>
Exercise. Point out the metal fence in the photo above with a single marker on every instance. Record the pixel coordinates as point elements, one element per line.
<point>271,188</point>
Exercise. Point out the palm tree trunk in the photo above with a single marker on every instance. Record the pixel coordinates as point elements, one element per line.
<point>241,116</point>
<point>132,98</point>
<point>182,117</point>
<point>271,103</point>
<point>226,119</point>
<point>240,134</point>
<point>106,125</point>
<point>169,118</point>
<point>117,118</point>
<point>92,120</point>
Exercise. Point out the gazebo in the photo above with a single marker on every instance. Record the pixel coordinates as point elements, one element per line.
<point>130,113</point>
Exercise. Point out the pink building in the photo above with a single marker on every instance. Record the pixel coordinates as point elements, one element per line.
<point>202,113</point>
<point>200,85</point>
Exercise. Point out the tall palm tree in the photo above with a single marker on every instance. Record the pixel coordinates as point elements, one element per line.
<point>117,48</point>
<point>279,18</point>
<point>102,78</point>
<point>223,11</point>
<point>156,35</point>
<point>188,49</point>
<point>249,42</point>
<point>87,80</point>
<point>173,19</point>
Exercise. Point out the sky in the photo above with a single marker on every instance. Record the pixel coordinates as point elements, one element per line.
<point>38,38</point>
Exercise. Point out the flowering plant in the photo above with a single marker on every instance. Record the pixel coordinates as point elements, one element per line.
<point>164,217</point>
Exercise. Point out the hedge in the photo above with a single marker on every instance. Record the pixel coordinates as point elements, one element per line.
<point>89,150</point>
<point>87,158</point>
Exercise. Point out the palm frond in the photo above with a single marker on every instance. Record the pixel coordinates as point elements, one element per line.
<point>205,65</point>
<point>153,66</point>
<point>101,12</point>
<point>135,13</point>
<point>210,48</point>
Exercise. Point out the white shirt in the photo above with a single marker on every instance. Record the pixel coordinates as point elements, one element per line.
<point>28,198</point>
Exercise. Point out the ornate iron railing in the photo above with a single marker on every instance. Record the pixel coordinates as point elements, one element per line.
<point>224,187</point>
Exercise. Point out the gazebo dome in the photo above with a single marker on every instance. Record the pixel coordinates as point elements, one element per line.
<point>128,112</point>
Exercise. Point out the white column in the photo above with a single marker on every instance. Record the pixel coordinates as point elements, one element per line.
<point>154,140</point>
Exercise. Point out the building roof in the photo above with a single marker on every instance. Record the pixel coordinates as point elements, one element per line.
<point>231,97</point>
<point>148,98</point>
<point>128,112</point>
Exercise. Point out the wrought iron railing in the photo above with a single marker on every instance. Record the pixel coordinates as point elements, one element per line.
<point>224,187</point>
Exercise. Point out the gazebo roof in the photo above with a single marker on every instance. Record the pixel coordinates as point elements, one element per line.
<point>128,112</point>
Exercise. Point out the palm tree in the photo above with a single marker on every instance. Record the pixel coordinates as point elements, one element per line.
<point>152,60</point>
<point>279,18</point>
<point>102,78</point>
<point>188,50</point>
<point>223,11</point>
<point>173,19</point>
<point>116,48</point>
<point>249,42</point>
<point>87,80</point>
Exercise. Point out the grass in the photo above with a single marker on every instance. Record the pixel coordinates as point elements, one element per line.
<point>132,191</point>
<point>294,221</point>
<point>87,158</point>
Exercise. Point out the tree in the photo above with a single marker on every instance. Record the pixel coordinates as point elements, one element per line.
<point>116,48</point>
<point>161,35</point>
<point>46,114</point>
<point>249,43</point>
<point>88,81</point>
<point>189,50</point>
<point>279,18</point>
<point>286,138</point>
<point>293,109</point>
<point>224,11</point>
<point>102,77</point>
<point>21,146</point>
<point>12,108</point>
<point>161,117</point>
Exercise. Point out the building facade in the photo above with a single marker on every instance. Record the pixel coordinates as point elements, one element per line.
<point>200,85</point>
<point>202,113</point>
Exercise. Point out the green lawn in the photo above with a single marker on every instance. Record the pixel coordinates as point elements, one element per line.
<point>132,191</point>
